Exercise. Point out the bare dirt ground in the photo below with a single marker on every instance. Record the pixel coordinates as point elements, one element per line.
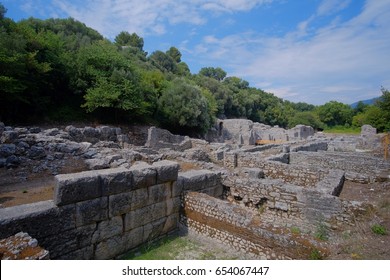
<point>34,187</point>
<point>360,241</point>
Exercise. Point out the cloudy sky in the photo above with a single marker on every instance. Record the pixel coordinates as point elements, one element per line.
<point>301,50</point>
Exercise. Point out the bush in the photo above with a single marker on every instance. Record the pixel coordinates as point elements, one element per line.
<point>379,229</point>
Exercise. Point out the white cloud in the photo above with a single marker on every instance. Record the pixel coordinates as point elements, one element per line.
<point>340,61</point>
<point>147,16</point>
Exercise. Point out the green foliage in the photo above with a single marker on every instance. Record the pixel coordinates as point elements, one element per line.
<point>306,118</point>
<point>379,229</point>
<point>131,40</point>
<point>315,255</point>
<point>62,69</point>
<point>322,232</point>
<point>335,113</point>
<point>182,106</point>
<point>216,73</point>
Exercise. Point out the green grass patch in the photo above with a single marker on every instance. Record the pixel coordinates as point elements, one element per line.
<point>379,229</point>
<point>165,249</point>
<point>343,130</point>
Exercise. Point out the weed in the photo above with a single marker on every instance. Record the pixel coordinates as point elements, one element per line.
<point>25,191</point>
<point>322,232</point>
<point>379,229</point>
<point>295,230</point>
<point>315,255</point>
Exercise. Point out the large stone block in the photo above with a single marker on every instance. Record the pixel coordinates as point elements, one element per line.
<point>125,202</point>
<point>167,171</point>
<point>173,205</point>
<point>144,175</point>
<point>116,180</point>
<point>68,241</point>
<point>197,180</point>
<point>145,215</point>
<point>107,229</point>
<point>76,187</point>
<point>154,229</point>
<point>158,193</point>
<point>91,211</point>
<point>86,253</point>
<point>38,219</point>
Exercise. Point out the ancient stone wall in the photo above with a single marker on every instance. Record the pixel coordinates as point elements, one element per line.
<point>297,175</point>
<point>102,214</point>
<point>358,167</point>
<point>162,139</point>
<point>286,204</point>
<point>243,230</point>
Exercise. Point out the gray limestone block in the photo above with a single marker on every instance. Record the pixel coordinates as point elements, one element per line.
<point>144,216</point>
<point>119,244</point>
<point>144,175</point>
<point>177,189</point>
<point>125,202</point>
<point>116,180</point>
<point>107,229</point>
<point>86,253</point>
<point>91,211</point>
<point>167,171</point>
<point>195,180</point>
<point>172,223</point>
<point>154,229</point>
<point>158,193</point>
<point>39,219</point>
<point>173,205</point>
<point>76,187</point>
<point>68,241</point>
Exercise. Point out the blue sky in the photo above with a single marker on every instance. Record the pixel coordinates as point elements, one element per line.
<point>301,50</point>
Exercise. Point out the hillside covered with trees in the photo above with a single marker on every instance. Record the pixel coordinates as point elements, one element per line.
<point>62,70</point>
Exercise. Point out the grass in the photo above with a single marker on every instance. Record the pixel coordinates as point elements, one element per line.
<point>343,130</point>
<point>165,249</point>
<point>379,229</point>
<point>322,232</point>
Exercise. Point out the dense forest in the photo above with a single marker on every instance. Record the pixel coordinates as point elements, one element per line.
<point>62,70</point>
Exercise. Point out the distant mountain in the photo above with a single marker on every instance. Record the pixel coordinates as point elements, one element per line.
<point>367,102</point>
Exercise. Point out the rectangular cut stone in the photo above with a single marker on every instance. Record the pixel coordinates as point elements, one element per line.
<point>197,180</point>
<point>116,180</point>
<point>76,187</point>
<point>167,171</point>
<point>119,204</point>
<point>158,193</point>
<point>154,229</point>
<point>171,224</point>
<point>173,205</point>
<point>145,215</point>
<point>39,219</point>
<point>91,211</point>
<point>176,189</point>
<point>144,175</point>
<point>68,241</point>
<point>107,229</point>
<point>125,202</point>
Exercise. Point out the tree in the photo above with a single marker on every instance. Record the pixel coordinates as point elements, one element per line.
<point>306,118</point>
<point>182,107</point>
<point>372,115</point>
<point>131,40</point>
<point>216,73</point>
<point>3,11</point>
<point>335,113</point>
<point>175,54</point>
<point>163,62</point>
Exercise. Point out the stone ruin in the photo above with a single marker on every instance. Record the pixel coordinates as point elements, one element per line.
<point>243,196</point>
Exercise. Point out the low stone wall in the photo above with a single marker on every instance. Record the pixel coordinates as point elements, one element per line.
<point>285,204</point>
<point>162,139</point>
<point>358,167</point>
<point>243,230</point>
<point>298,175</point>
<point>102,214</point>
